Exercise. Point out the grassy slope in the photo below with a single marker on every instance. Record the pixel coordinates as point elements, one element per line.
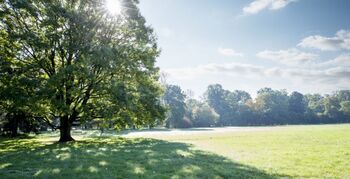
<point>296,151</point>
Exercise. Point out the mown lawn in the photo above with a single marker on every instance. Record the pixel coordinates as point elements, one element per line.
<point>296,151</point>
<point>316,151</point>
<point>116,158</point>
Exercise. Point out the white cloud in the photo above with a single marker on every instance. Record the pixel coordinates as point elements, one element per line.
<point>303,71</point>
<point>248,77</point>
<point>229,52</point>
<point>342,61</point>
<point>288,57</point>
<point>258,5</point>
<point>231,69</point>
<point>341,41</point>
<point>334,77</point>
<point>337,75</point>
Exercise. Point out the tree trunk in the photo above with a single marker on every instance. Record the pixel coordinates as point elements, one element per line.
<point>14,126</point>
<point>65,129</point>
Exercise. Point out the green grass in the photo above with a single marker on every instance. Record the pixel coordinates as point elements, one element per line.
<point>293,152</point>
<point>317,151</point>
<point>116,158</point>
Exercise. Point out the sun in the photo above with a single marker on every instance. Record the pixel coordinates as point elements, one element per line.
<point>113,6</point>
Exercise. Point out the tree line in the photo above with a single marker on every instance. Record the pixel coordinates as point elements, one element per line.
<point>220,107</point>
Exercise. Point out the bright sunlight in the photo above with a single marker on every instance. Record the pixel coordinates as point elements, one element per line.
<point>113,6</point>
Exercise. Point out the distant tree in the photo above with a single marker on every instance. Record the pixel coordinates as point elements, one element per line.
<point>191,105</point>
<point>189,94</point>
<point>200,113</point>
<point>80,62</point>
<point>238,109</point>
<point>296,107</point>
<point>331,108</point>
<point>204,116</point>
<point>242,96</point>
<point>314,104</point>
<point>264,90</point>
<point>163,77</point>
<point>343,95</point>
<point>248,113</point>
<point>217,98</point>
<point>296,103</point>
<point>272,106</point>
<point>174,98</point>
<point>345,109</point>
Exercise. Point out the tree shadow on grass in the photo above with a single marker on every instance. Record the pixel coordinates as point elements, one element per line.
<point>111,133</point>
<point>124,132</point>
<point>121,158</point>
<point>18,143</point>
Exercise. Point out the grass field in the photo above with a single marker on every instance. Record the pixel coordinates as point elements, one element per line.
<point>321,151</point>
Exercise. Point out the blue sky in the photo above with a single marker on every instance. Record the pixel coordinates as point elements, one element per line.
<point>301,45</point>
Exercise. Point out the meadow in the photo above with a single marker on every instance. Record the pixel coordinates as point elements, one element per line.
<point>314,151</point>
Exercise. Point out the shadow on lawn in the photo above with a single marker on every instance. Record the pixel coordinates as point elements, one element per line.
<point>118,157</point>
<point>163,130</point>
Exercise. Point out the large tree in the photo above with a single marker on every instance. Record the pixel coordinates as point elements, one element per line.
<point>81,61</point>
